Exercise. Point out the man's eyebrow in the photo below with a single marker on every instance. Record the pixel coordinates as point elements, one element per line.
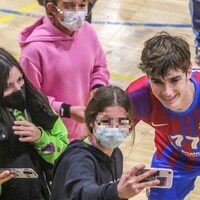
<point>175,77</point>
<point>155,79</point>
<point>170,78</point>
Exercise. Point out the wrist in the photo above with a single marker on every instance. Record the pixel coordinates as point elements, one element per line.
<point>119,192</point>
<point>65,110</point>
<point>40,131</point>
<point>120,197</point>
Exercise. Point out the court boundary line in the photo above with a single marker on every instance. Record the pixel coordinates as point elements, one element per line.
<point>22,12</point>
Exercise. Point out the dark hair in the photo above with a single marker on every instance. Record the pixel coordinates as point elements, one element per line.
<point>164,52</point>
<point>50,1</point>
<point>45,5</point>
<point>104,97</point>
<point>7,62</point>
<point>55,2</point>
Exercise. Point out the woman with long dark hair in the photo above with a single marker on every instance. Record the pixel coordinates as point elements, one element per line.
<point>31,134</point>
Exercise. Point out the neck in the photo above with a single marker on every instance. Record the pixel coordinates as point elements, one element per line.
<point>190,95</point>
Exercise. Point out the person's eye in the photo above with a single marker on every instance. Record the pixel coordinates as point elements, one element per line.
<point>20,79</point>
<point>105,121</point>
<point>156,82</point>
<point>124,121</point>
<point>81,6</point>
<point>174,80</point>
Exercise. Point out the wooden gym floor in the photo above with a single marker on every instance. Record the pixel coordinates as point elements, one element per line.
<point>122,26</point>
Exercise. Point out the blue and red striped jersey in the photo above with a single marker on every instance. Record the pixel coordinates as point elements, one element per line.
<point>177,134</point>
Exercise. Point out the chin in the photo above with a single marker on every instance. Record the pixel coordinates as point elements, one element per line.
<point>173,106</point>
<point>170,105</point>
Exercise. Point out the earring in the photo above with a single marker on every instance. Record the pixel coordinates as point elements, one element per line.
<point>59,10</point>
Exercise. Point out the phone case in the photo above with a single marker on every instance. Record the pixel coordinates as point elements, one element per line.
<point>165,176</point>
<point>21,172</point>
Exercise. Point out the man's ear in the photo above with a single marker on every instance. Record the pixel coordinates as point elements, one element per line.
<point>51,8</point>
<point>189,72</point>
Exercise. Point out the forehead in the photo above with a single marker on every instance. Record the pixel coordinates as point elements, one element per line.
<point>170,75</point>
<point>113,112</point>
<point>73,1</point>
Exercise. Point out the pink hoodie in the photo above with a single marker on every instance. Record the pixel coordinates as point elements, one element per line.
<point>65,68</point>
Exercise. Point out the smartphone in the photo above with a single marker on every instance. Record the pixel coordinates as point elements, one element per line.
<point>165,176</point>
<point>21,172</point>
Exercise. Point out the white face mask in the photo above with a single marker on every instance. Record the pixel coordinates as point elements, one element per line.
<point>73,20</point>
<point>111,137</point>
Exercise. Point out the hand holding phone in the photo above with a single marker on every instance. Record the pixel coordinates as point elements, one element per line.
<point>130,184</point>
<point>5,176</point>
<point>21,172</point>
<point>165,176</point>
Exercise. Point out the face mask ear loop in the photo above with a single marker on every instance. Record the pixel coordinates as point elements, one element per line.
<point>59,10</point>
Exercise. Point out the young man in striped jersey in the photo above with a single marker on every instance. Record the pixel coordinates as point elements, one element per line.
<point>168,99</point>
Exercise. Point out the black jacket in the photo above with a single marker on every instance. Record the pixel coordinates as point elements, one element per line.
<point>15,154</point>
<point>84,172</point>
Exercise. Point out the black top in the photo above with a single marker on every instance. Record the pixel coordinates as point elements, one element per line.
<point>83,172</point>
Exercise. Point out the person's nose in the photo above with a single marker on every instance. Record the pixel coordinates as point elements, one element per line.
<point>115,124</point>
<point>17,87</point>
<point>167,90</point>
<point>77,7</point>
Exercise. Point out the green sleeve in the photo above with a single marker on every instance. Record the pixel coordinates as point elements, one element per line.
<point>51,144</point>
<point>0,190</point>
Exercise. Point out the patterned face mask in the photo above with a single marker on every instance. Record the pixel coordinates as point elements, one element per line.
<point>73,20</point>
<point>111,137</point>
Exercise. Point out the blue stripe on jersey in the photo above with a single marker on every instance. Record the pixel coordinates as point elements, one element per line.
<point>194,129</point>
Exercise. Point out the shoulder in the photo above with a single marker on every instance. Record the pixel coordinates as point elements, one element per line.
<point>75,152</point>
<point>117,155</point>
<point>88,31</point>
<point>196,74</point>
<point>89,27</point>
<point>139,92</point>
<point>138,84</point>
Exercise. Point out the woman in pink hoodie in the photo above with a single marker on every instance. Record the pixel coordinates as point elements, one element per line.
<point>62,56</point>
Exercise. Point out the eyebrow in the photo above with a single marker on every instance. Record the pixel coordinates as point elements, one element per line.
<point>158,79</point>
<point>155,79</point>
<point>111,118</point>
<point>76,2</point>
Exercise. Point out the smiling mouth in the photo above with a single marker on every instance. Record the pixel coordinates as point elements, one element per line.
<point>169,100</point>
